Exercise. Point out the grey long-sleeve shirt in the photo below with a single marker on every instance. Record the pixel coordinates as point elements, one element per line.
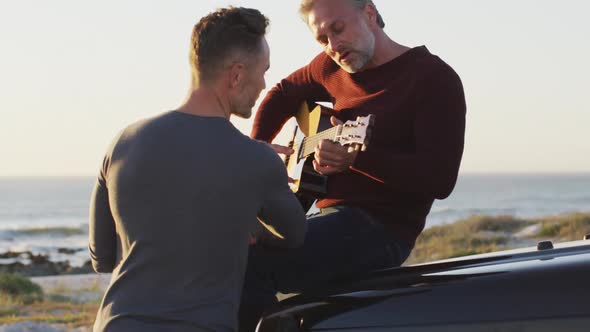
<point>171,214</point>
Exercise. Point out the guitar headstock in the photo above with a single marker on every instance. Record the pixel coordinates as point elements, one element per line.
<point>356,133</point>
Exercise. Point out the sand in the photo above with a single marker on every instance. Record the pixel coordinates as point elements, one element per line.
<point>77,283</point>
<point>78,288</point>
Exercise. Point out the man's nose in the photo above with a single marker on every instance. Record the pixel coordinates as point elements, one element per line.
<point>333,45</point>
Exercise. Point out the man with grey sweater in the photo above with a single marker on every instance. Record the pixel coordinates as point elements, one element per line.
<point>180,194</point>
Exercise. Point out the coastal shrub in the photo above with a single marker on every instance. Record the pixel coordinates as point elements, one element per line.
<point>549,230</point>
<point>19,288</point>
<point>507,224</point>
<point>569,227</point>
<point>575,227</point>
<point>483,234</point>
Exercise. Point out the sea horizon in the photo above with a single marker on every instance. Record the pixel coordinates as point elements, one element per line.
<point>466,173</point>
<point>47,214</point>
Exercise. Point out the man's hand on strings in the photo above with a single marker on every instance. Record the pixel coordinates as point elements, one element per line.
<point>281,149</point>
<point>332,158</point>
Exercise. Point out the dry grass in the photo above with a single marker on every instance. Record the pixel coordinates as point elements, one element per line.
<point>564,228</point>
<point>22,300</point>
<point>482,234</point>
<point>70,314</point>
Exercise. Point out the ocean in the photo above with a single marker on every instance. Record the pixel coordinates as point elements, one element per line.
<point>50,215</point>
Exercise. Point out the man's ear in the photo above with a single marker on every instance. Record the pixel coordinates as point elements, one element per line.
<point>371,13</point>
<point>237,74</point>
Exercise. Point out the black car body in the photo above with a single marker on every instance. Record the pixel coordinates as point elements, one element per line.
<point>543,288</point>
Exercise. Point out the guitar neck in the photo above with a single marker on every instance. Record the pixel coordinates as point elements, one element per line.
<point>310,143</point>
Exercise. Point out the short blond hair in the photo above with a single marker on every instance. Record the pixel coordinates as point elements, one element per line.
<point>307,5</point>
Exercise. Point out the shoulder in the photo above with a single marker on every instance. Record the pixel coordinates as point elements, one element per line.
<point>432,68</point>
<point>264,153</point>
<point>264,161</point>
<point>140,126</point>
<point>134,133</point>
<point>439,83</point>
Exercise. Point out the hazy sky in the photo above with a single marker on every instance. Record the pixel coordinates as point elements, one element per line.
<point>74,73</point>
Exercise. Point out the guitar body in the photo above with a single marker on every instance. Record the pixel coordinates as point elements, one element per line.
<point>313,127</point>
<point>307,182</point>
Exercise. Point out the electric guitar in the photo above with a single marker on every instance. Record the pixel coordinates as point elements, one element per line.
<point>354,134</point>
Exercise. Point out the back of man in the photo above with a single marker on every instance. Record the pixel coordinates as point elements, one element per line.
<point>177,199</point>
<point>175,193</point>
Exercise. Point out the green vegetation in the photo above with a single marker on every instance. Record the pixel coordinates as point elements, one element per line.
<point>22,300</point>
<point>15,289</point>
<point>482,234</point>
<point>569,227</point>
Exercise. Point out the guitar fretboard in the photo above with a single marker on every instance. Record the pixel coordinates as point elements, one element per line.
<point>310,143</point>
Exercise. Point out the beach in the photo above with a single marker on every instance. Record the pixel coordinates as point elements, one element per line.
<point>44,235</point>
<point>69,305</point>
<point>78,287</point>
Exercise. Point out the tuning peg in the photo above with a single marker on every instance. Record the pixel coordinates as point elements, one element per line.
<point>364,147</point>
<point>357,147</point>
<point>350,149</point>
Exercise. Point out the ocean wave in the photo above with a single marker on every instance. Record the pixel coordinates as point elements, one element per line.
<point>41,227</point>
<point>42,231</point>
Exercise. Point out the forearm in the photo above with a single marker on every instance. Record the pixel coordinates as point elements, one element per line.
<point>283,222</point>
<point>284,100</point>
<point>280,213</point>
<point>102,235</point>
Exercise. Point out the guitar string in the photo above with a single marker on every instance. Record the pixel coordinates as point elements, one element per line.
<point>313,141</point>
<point>316,138</point>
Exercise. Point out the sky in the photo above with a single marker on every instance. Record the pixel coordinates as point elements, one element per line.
<point>74,73</point>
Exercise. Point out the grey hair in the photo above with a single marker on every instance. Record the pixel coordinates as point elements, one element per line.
<point>307,5</point>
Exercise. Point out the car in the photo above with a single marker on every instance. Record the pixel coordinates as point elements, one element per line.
<point>542,288</point>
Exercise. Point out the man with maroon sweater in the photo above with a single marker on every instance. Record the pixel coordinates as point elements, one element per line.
<point>377,199</point>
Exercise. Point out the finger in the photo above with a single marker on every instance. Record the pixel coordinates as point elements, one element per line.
<point>335,121</point>
<point>328,153</point>
<point>325,170</point>
<point>319,168</point>
<point>325,158</point>
<point>281,149</point>
<point>316,165</point>
<point>327,145</point>
<point>354,148</point>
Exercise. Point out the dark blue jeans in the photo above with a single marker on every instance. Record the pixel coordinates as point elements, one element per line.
<point>341,241</point>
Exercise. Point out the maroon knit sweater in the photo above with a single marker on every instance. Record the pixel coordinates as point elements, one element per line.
<point>416,144</point>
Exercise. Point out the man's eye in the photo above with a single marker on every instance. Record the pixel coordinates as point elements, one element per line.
<point>322,40</point>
